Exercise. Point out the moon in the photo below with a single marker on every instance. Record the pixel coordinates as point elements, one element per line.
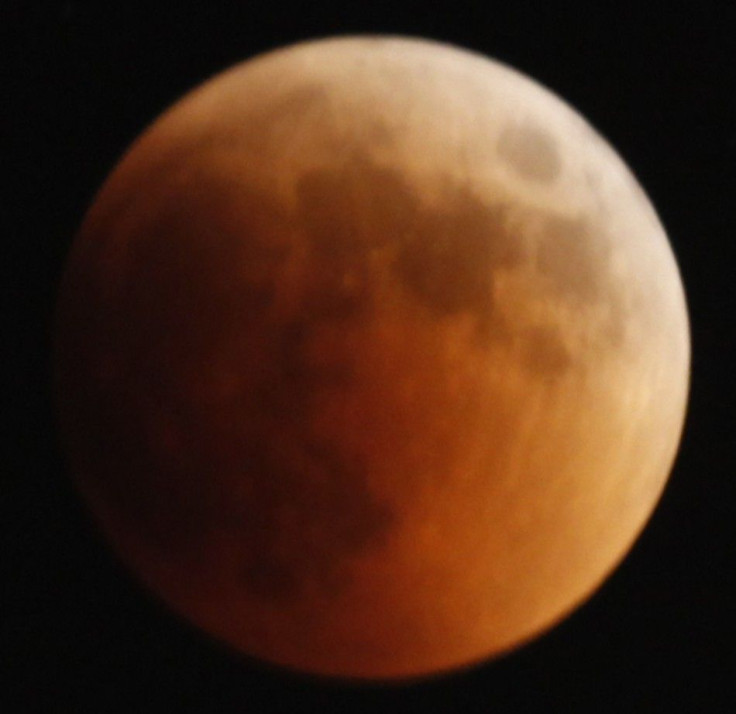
<point>371,358</point>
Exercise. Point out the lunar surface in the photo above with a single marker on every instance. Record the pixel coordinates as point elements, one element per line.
<point>371,358</point>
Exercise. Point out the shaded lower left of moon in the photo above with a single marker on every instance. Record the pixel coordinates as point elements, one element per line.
<point>306,520</point>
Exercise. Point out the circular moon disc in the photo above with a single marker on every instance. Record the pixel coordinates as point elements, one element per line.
<point>372,358</point>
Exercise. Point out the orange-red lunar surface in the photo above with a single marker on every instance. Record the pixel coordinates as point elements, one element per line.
<point>372,358</point>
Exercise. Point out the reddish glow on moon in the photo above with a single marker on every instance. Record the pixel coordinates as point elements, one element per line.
<point>372,358</point>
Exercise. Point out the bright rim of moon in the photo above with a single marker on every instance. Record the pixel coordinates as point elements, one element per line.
<point>372,358</point>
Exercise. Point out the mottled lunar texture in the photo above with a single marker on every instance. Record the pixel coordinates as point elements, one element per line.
<point>371,358</point>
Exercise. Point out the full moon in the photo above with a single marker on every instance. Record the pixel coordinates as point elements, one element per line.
<point>371,358</point>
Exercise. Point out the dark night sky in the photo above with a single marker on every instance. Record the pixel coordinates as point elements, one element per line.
<point>80,81</point>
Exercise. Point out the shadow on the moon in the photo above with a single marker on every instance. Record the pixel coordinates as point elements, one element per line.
<point>242,405</point>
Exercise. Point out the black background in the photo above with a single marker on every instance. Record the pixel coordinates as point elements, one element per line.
<point>79,82</point>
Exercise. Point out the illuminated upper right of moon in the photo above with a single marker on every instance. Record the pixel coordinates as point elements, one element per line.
<point>527,175</point>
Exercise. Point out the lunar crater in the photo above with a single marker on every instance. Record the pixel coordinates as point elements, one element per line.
<point>532,152</point>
